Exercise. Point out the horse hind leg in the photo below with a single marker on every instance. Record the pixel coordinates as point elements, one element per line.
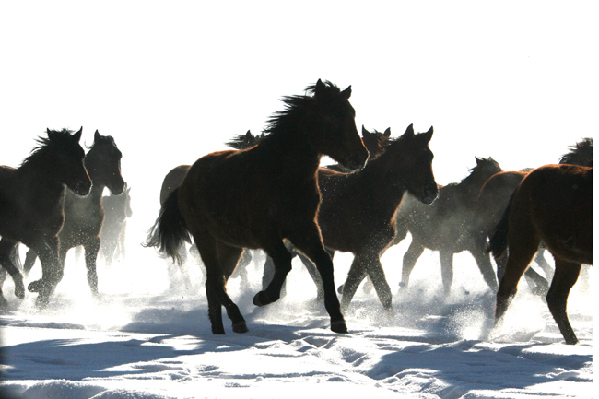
<point>522,250</point>
<point>6,250</point>
<point>216,280</point>
<point>566,274</point>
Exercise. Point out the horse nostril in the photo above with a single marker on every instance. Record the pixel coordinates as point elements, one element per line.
<point>83,188</point>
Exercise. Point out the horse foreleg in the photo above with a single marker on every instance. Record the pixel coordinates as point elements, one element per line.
<point>309,241</point>
<point>52,270</point>
<point>409,261</point>
<point>92,246</point>
<point>216,281</point>
<point>483,261</point>
<point>355,275</point>
<point>446,258</point>
<point>566,274</point>
<point>30,258</point>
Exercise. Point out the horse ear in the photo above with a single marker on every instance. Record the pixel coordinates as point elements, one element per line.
<point>96,136</point>
<point>410,130</point>
<point>346,93</point>
<point>364,131</point>
<point>320,87</point>
<point>387,132</point>
<point>78,134</point>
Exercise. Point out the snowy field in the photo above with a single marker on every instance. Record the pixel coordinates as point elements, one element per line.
<point>149,337</point>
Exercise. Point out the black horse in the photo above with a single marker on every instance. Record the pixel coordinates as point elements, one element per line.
<point>32,206</point>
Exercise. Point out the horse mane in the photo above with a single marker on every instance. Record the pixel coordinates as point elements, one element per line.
<point>580,154</point>
<point>59,138</point>
<point>283,120</point>
<point>244,141</point>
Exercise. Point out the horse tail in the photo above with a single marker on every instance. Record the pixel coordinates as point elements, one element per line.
<point>170,229</point>
<point>498,242</point>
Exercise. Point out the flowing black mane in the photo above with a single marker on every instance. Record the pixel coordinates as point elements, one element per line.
<point>56,139</point>
<point>244,141</point>
<point>580,154</point>
<point>294,105</point>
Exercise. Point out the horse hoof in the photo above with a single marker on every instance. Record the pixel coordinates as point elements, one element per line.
<point>340,289</point>
<point>339,327</point>
<point>35,286</point>
<point>257,300</point>
<point>240,327</point>
<point>20,291</point>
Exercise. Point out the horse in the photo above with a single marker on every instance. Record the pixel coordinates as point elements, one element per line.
<point>357,210</point>
<point>494,198</point>
<point>261,196</point>
<point>446,226</point>
<point>84,215</point>
<point>32,206</point>
<point>552,204</point>
<point>376,143</point>
<point>117,208</point>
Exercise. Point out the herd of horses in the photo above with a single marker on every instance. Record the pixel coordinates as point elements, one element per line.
<point>269,193</point>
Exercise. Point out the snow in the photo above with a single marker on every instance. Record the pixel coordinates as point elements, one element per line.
<point>149,337</point>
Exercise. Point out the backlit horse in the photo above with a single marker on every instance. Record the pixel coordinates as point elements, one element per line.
<point>32,206</point>
<point>552,204</point>
<point>259,197</point>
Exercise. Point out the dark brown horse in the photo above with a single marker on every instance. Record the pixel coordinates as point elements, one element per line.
<point>446,226</point>
<point>553,204</point>
<point>357,210</point>
<point>117,208</point>
<point>494,198</point>
<point>32,205</point>
<point>84,215</point>
<point>261,196</point>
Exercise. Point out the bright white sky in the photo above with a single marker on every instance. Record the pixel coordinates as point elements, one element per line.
<point>172,81</point>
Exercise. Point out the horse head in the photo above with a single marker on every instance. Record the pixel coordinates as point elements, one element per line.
<point>413,164</point>
<point>103,161</point>
<point>333,127</point>
<point>68,159</point>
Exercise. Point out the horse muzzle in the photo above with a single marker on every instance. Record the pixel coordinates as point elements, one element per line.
<point>357,161</point>
<point>83,188</point>
<point>429,194</point>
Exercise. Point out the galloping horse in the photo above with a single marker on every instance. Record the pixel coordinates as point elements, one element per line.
<point>553,204</point>
<point>357,210</point>
<point>447,226</point>
<point>261,196</point>
<point>84,215</point>
<point>117,208</point>
<point>494,198</point>
<point>32,206</point>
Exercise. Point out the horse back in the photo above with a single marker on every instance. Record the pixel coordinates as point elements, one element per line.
<point>239,198</point>
<point>559,199</point>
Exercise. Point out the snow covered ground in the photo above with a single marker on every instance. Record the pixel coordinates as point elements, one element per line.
<point>151,339</point>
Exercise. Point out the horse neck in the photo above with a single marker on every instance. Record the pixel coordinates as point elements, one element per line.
<point>39,179</point>
<point>385,186</point>
<point>472,184</point>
